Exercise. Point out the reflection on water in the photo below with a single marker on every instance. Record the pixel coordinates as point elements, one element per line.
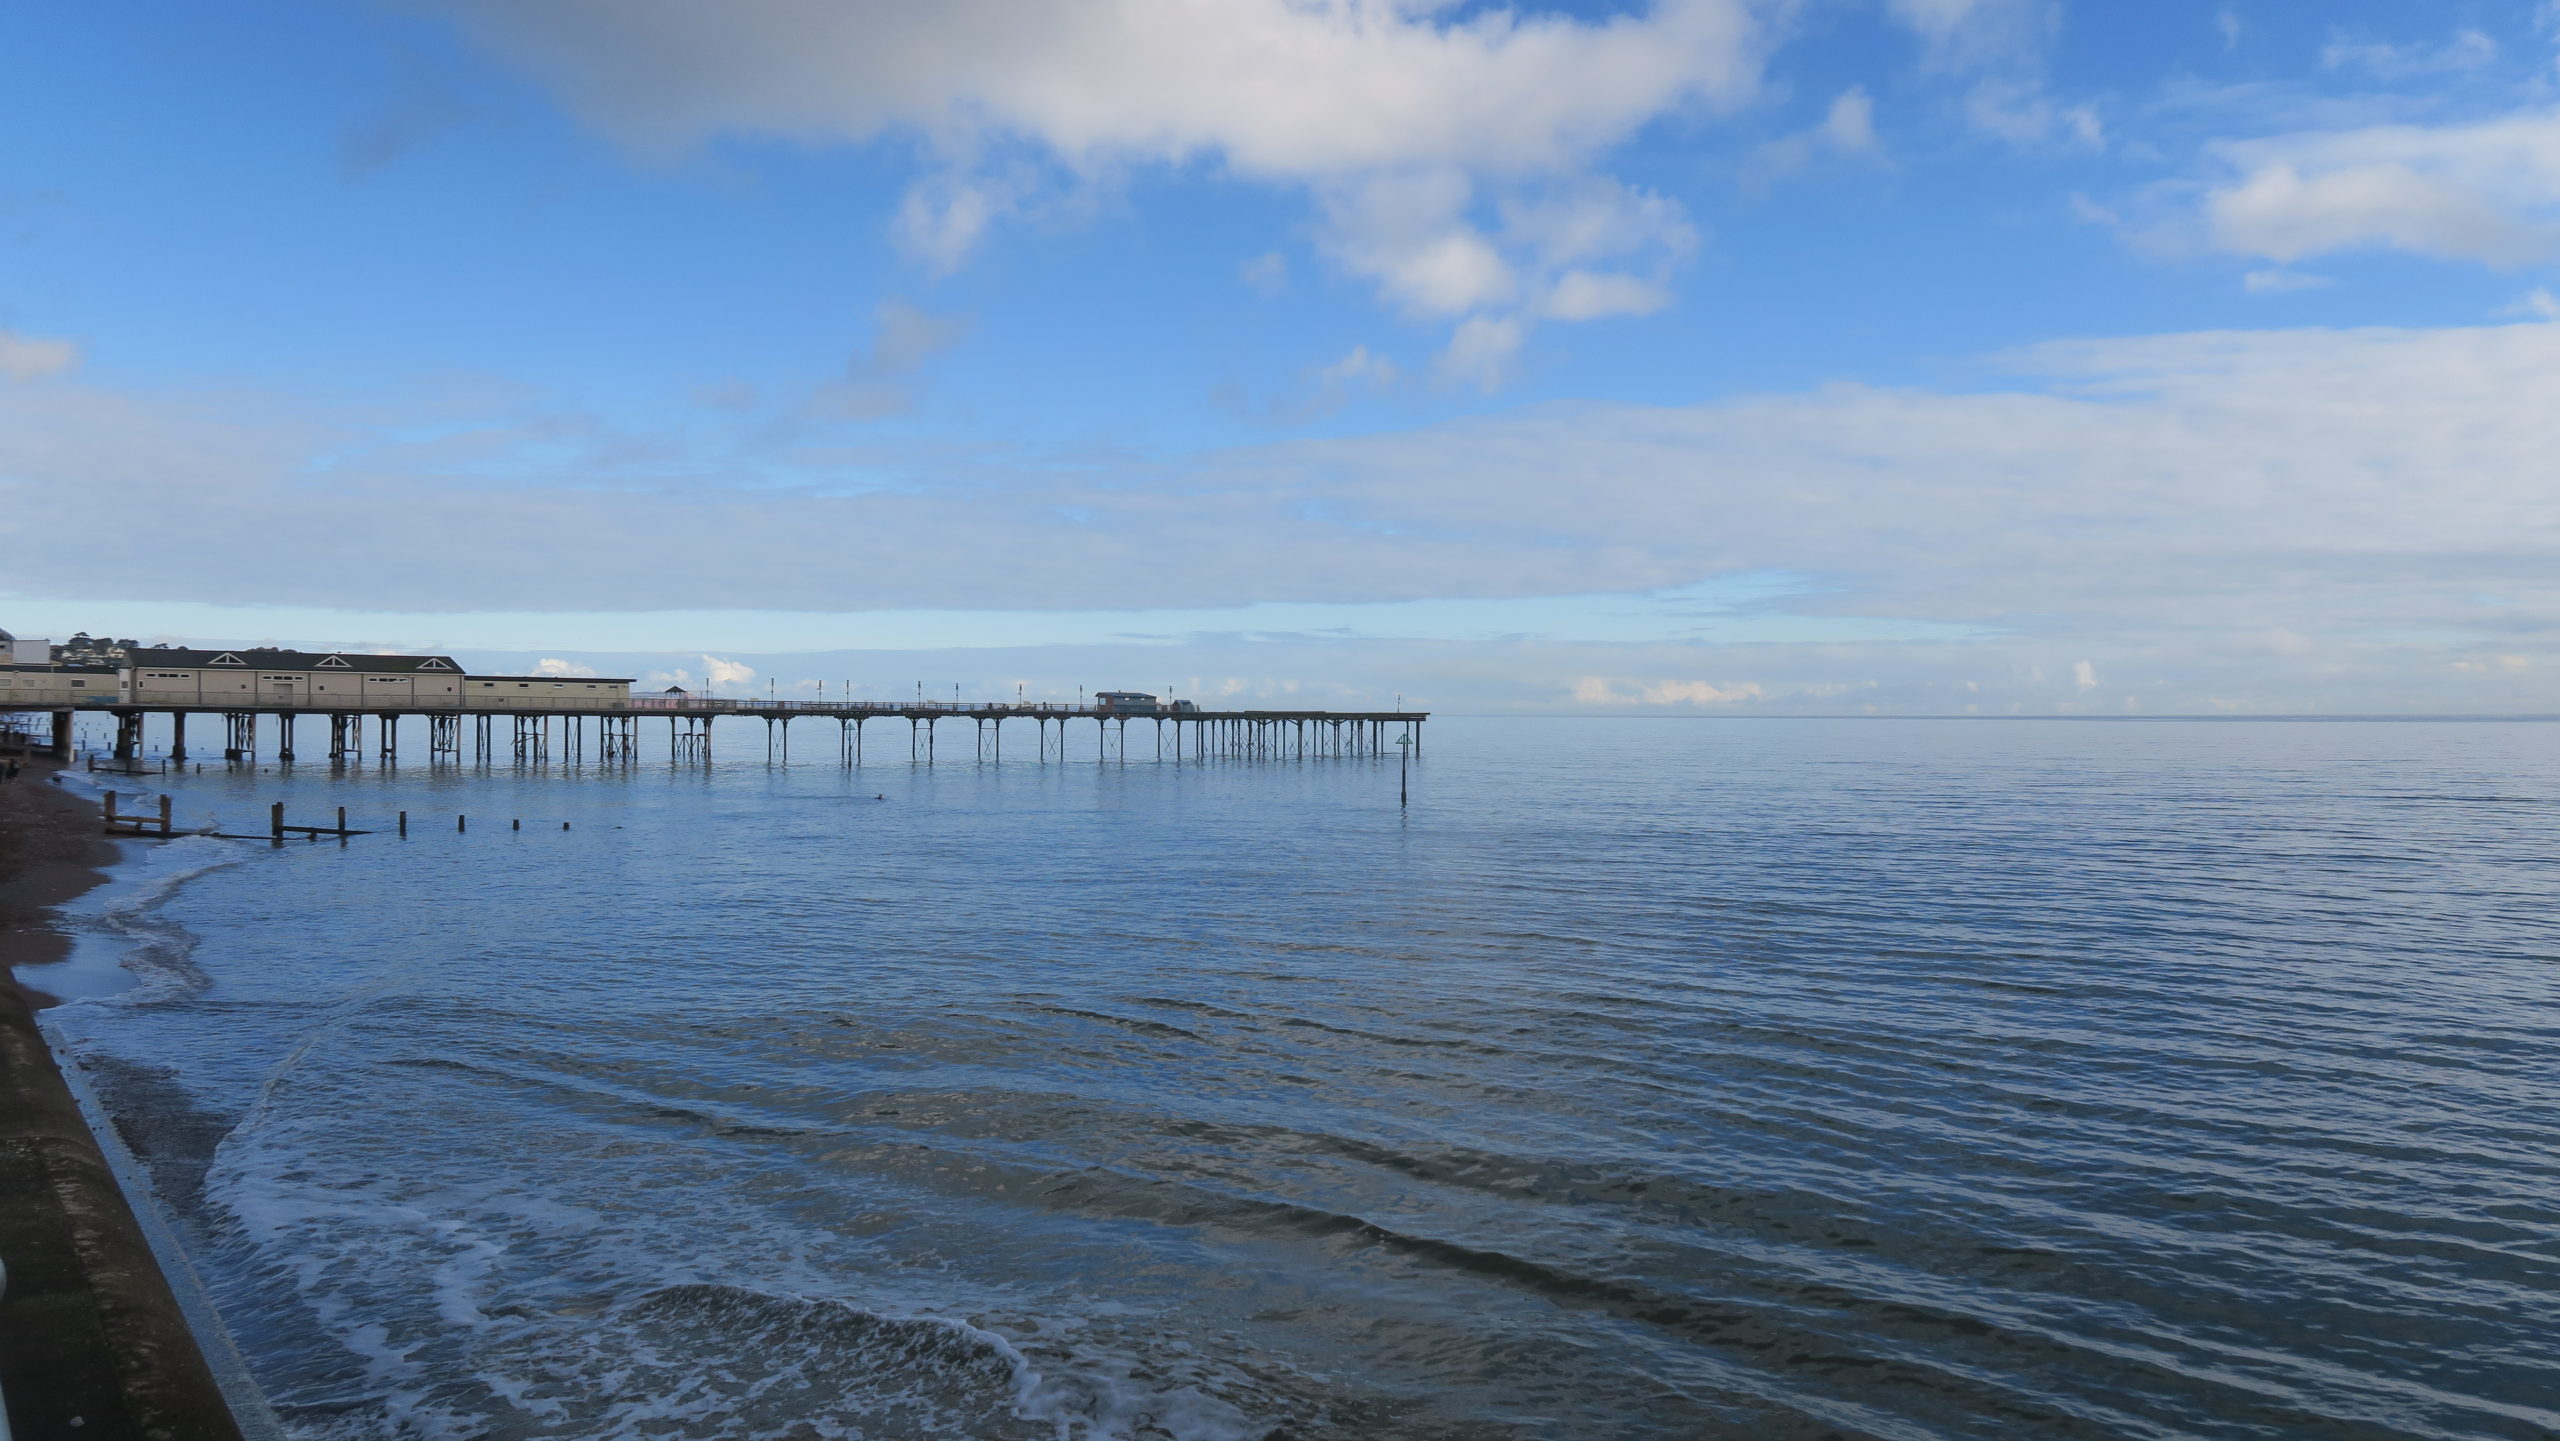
<point>1645,1079</point>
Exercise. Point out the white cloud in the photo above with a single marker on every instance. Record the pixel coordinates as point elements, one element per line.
<point>2084,676</point>
<point>1599,690</point>
<point>942,218</point>
<point>875,379</point>
<point>1274,88</point>
<point>2022,113</point>
<point>2003,44</point>
<point>32,357</point>
<point>1588,295</point>
<point>2469,49</point>
<point>1971,34</point>
<point>1596,218</point>
<point>1265,274</point>
<point>727,672</point>
<point>1415,235</point>
<point>1847,129</point>
<point>2280,213</point>
<point>2535,304</point>
<point>1359,367</point>
<point>1850,126</point>
<point>1481,352</point>
<point>2152,506</point>
<point>2488,191</point>
<point>905,337</point>
<point>1393,113</point>
<point>1411,234</point>
<point>2282,282</point>
<point>553,665</point>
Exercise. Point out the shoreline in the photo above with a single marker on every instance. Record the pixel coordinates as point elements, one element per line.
<point>52,850</point>
<point>92,1339</point>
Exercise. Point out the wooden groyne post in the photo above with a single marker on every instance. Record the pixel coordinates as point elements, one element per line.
<point>131,825</point>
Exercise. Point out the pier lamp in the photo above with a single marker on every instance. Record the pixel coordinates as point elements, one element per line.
<point>1404,758</point>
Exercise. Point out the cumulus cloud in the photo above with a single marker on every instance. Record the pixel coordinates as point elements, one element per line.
<point>32,357</point>
<point>1272,88</point>
<point>1400,119</point>
<point>727,672</point>
<point>2487,191</point>
<point>553,665</point>
<point>1413,236</point>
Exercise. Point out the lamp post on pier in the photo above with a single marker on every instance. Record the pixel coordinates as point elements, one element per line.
<point>1404,758</point>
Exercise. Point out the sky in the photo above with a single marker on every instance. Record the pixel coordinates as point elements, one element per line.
<point>1713,357</point>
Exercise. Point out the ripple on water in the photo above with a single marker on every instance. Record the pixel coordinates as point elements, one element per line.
<point>1642,1080</point>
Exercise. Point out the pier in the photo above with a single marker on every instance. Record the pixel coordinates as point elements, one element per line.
<point>616,729</point>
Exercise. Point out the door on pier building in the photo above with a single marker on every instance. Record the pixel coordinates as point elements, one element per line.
<point>283,688</point>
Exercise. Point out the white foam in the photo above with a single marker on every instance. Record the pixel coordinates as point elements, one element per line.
<point>123,952</point>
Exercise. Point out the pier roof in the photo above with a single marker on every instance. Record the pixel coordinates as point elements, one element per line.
<point>254,658</point>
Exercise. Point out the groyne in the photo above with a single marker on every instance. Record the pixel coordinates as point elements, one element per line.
<point>93,1343</point>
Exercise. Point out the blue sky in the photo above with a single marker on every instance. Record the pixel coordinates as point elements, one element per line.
<point>1708,355</point>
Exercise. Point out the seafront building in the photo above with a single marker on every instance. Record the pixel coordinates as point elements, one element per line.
<point>242,683</point>
<point>348,680</point>
<point>258,678</point>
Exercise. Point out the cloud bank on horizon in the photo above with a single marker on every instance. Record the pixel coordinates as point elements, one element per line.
<point>1699,355</point>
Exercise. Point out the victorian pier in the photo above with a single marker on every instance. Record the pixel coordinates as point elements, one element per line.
<point>620,729</point>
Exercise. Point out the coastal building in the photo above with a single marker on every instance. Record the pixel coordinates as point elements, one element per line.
<point>19,650</point>
<point>57,687</point>
<point>1139,703</point>
<point>261,678</point>
<point>545,692</point>
<point>258,677</point>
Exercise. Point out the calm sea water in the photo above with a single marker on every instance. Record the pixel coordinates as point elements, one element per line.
<point>1644,1079</point>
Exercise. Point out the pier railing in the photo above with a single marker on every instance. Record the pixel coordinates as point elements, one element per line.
<point>696,705</point>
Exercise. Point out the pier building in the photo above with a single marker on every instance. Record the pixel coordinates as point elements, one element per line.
<point>255,678</point>
<point>37,687</point>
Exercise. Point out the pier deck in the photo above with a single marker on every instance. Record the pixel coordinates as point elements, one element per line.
<point>532,723</point>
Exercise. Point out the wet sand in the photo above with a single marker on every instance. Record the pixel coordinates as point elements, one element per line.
<point>51,850</point>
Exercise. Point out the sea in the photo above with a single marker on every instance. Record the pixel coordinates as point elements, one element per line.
<point>1620,1078</point>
